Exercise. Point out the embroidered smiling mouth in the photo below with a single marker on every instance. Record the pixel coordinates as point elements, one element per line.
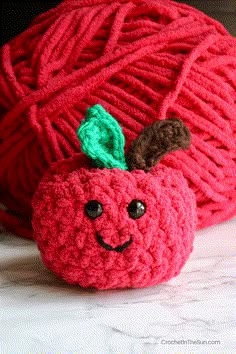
<point>119,248</point>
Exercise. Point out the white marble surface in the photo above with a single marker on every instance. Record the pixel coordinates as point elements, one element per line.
<point>41,314</point>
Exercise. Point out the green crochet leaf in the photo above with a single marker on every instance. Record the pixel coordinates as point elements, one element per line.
<point>102,139</point>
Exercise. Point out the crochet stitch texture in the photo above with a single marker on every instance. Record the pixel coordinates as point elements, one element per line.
<point>162,239</point>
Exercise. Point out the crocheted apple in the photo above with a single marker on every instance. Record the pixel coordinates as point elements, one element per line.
<point>122,221</point>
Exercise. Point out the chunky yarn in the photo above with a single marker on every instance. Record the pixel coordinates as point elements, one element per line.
<point>108,227</point>
<point>142,60</point>
<point>114,250</point>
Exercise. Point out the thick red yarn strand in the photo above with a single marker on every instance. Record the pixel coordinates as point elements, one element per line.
<point>142,60</point>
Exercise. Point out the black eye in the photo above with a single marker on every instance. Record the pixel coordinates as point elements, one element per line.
<point>136,209</point>
<point>93,209</point>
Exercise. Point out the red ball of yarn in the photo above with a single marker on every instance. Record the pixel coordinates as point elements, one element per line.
<point>142,60</point>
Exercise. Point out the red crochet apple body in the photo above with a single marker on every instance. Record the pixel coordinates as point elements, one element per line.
<point>114,250</point>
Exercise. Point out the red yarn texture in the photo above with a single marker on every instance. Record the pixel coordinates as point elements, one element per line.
<point>142,60</point>
<point>162,238</point>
